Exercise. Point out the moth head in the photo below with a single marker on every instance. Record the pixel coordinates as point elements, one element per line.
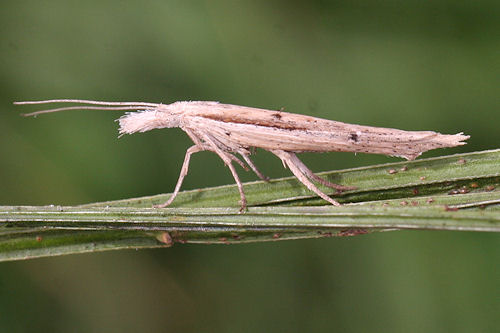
<point>161,116</point>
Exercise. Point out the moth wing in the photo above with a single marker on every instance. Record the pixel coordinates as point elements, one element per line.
<point>253,127</point>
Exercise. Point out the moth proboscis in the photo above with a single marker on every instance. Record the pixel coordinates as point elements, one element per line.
<point>232,130</point>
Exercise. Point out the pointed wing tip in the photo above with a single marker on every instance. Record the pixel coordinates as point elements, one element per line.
<point>458,139</point>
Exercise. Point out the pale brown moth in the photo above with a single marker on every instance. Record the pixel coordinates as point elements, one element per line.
<point>232,130</point>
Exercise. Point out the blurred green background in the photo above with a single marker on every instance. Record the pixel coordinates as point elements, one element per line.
<point>413,65</point>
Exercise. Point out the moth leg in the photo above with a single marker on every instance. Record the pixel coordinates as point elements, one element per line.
<point>196,140</point>
<point>254,167</point>
<point>240,185</point>
<point>227,159</point>
<point>311,175</point>
<point>184,171</point>
<point>237,160</point>
<point>290,161</point>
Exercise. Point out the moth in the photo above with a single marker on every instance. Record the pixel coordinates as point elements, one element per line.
<point>233,132</point>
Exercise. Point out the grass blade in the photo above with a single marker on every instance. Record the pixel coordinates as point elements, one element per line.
<point>458,192</point>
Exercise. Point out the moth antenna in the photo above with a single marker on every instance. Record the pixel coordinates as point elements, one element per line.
<point>110,106</point>
<point>85,101</point>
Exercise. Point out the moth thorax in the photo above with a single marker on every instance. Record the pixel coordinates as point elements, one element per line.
<point>147,120</point>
